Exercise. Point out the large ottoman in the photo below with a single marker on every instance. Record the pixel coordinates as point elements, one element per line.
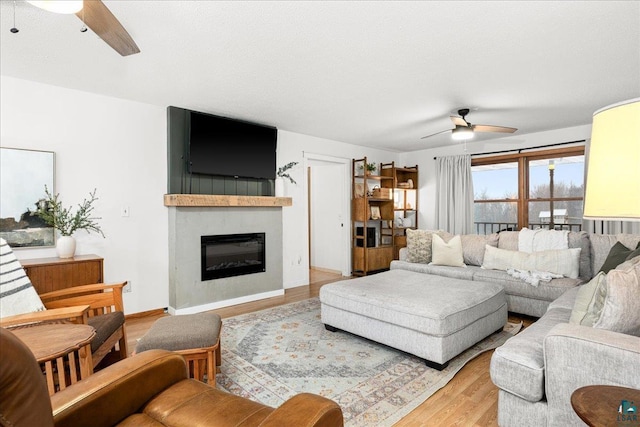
<point>433,317</point>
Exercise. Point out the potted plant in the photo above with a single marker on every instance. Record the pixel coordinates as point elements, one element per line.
<point>54,214</point>
<point>282,173</point>
<point>369,168</point>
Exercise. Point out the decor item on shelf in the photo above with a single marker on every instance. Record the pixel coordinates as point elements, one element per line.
<point>410,183</point>
<point>358,190</point>
<point>613,177</point>
<point>375,212</point>
<point>53,213</point>
<point>368,168</point>
<point>382,193</point>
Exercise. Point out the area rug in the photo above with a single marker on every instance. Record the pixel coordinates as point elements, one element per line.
<point>271,355</point>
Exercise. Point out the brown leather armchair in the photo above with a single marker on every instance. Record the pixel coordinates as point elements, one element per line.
<point>149,389</point>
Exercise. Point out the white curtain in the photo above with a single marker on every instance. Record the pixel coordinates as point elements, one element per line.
<point>605,227</point>
<point>454,194</point>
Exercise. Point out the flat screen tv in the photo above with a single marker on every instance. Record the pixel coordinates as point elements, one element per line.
<point>227,147</point>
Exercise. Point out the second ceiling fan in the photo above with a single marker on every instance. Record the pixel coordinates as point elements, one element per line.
<point>464,130</point>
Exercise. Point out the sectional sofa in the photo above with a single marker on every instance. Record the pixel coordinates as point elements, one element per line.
<point>521,296</point>
<point>537,370</point>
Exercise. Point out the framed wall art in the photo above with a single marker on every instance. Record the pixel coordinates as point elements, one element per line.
<point>23,176</point>
<point>375,212</point>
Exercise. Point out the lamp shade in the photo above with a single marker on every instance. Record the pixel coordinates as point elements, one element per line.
<point>613,171</point>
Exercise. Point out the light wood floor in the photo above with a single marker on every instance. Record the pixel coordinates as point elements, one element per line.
<point>469,399</point>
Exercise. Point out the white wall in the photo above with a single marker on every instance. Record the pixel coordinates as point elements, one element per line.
<point>119,147</point>
<point>292,148</point>
<point>115,146</point>
<point>427,165</point>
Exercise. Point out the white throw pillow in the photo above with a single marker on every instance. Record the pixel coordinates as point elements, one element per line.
<point>17,294</point>
<point>447,253</point>
<point>559,261</point>
<point>585,297</point>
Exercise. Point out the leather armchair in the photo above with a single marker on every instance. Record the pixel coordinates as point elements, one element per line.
<point>149,389</point>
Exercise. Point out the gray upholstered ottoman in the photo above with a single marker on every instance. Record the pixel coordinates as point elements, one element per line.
<point>433,317</point>
<point>195,336</point>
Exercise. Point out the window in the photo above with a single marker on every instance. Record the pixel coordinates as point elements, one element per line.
<point>524,189</point>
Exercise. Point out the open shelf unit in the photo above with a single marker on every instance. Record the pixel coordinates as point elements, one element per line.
<point>405,202</point>
<point>371,212</point>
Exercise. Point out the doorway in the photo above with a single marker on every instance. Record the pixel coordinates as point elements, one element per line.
<point>328,196</point>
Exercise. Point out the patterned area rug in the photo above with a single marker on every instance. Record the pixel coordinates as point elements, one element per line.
<point>271,355</point>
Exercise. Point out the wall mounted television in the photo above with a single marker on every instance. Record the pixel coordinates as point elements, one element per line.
<point>228,147</point>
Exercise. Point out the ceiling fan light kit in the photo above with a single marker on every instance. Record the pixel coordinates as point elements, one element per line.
<point>96,16</point>
<point>462,133</point>
<point>58,6</point>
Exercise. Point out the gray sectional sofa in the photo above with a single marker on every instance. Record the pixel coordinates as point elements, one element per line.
<point>521,297</point>
<point>537,370</point>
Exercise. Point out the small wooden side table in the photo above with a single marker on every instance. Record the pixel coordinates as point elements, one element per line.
<point>607,405</point>
<point>62,349</point>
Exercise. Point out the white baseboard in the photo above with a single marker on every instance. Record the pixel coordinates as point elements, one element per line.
<point>225,303</point>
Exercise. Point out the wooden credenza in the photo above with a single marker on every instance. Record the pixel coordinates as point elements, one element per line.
<point>51,274</point>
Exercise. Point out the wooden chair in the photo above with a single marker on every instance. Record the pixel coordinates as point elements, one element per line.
<point>99,305</point>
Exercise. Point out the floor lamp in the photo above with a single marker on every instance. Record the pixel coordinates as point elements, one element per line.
<point>613,171</point>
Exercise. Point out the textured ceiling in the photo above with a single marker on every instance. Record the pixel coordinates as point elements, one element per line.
<point>379,74</point>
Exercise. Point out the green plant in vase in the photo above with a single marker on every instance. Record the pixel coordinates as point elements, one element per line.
<point>369,167</point>
<point>282,171</point>
<point>54,214</point>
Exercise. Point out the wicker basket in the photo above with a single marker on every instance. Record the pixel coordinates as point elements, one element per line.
<point>382,193</point>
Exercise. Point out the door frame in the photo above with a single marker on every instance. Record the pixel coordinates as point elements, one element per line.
<point>345,206</point>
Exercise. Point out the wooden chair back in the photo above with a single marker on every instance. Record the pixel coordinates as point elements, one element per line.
<point>100,298</point>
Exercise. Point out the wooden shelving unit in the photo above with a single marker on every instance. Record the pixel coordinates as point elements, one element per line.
<point>405,203</point>
<point>372,212</point>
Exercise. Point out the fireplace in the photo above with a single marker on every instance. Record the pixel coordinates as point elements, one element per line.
<point>232,255</point>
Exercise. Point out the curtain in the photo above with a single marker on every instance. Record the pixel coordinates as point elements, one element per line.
<point>605,227</point>
<point>454,194</point>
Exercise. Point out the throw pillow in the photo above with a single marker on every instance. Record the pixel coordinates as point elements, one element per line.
<point>618,254</point>
<point>419,244</point>
<point>620,310</point>
<point>584,297</point>
<point>595,306</point>
<point>18,296</point>
<point>447,253</point>
<point>558,261</point>
<point>473,247</point>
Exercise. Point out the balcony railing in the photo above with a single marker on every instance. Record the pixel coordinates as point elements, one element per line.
<point>496,227</point>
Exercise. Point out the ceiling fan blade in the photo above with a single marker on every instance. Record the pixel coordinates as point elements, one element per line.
<point>458,121</point>
<point>437,133</point>
<point>102,22</point>
<point>491,128</point>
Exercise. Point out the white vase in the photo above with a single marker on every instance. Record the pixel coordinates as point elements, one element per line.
<point>66,247</point>
<point>279,187</point>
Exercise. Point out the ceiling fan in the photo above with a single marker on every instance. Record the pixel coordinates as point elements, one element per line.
<point>464,130</point>
<point>95,15</point>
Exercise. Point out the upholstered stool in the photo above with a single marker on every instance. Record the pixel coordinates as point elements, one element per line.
<point>195,336</point>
